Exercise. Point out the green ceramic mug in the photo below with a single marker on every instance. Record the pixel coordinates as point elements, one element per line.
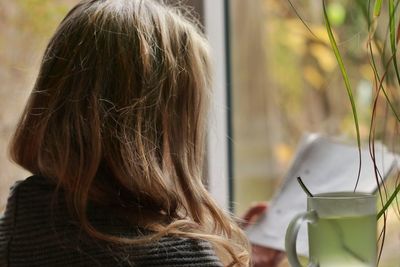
<point>341,230</point>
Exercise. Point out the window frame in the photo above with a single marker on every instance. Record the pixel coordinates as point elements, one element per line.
<point>219,139</point>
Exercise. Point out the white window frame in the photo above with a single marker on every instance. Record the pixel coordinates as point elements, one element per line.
<point>218,164</point>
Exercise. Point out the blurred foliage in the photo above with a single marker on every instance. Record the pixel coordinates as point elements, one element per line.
<point>292,73</point>
<point>307,58</point>
<point>336,13</point>
<point>40,16</point>
<point>25,27</point>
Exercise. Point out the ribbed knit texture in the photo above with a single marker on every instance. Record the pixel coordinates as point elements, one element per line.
<point>32,234</point>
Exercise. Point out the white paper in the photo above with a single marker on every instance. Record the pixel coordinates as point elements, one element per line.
<point>325,165</point>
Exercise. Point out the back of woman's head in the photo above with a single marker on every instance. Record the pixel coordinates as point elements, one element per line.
<point>117,117</point>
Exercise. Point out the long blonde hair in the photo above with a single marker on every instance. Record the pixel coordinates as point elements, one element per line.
<point>118,116</point>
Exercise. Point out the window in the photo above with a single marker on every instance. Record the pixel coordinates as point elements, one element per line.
<point>286,82</point>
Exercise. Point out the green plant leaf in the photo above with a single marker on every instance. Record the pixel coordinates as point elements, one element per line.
<point>374,22</point>
<point>365,10</point>
<point>392,28</point>
<point>398,33</point>
<point>379,82</point>
<point>377,8</point>
<point>346,82</point>
<point>388,202</point>
<point>301,19</point>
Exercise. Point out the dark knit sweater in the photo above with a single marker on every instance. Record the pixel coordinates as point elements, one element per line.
<point>33,234</point>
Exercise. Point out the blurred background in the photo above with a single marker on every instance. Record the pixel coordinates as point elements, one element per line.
<point>25,29</point>
<point>284,82</point>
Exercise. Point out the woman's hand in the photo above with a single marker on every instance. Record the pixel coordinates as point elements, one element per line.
<point>261,256</point>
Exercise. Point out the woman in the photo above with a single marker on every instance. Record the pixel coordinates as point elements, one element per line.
<point>114,134</point>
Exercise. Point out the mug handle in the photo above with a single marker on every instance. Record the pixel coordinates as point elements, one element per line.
<point>291,236</point>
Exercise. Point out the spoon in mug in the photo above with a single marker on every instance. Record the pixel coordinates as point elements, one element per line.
<point>335,226</point>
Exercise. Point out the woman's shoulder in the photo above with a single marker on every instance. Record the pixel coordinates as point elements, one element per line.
<point>28,201</point>
<point>24,208</point>
<point>176,251</point>
<point>27,225</point>
<point>29,191</point>
<point>33,183</point>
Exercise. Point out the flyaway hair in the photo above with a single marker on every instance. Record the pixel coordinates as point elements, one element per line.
<point>118,116</point>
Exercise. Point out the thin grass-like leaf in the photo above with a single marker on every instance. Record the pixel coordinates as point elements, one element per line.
<point>364,8</point>
<point>302,20</point>
<point>398,33</point>
<point>380,87</point>
<point>392,27</point>
<point>379,80</point>
<point>347,84</point>
<point>391,105</point>
<point>374,22</point>
<point>398,25</point>
<point>380,84</point>
<point>390,200</point>
<point>377,8</point>
<point>369,11</point>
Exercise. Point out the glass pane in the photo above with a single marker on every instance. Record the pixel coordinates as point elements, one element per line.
<point>286,82</point>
